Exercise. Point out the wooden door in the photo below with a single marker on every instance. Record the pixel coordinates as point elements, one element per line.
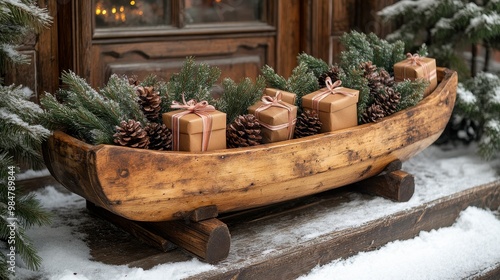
<point>102,37</point>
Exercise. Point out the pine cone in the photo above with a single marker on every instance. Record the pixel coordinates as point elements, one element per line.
<point>150,102</point>
<point>244,131</point>
<point>375,81</point>
<point>333,73</point>
<point>160,137</point>
<point>133,81</point>
<point>388,100</point>
<point>308,124</point>
<point>131,134</point>
<point>386,78</point>
<point>373,113</point>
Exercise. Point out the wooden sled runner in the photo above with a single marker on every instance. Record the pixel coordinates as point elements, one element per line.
<point>157,186</point>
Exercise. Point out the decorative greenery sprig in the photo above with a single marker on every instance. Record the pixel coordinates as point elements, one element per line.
<point>315,65</point>
<point>301,82</point>
<point>237,97</point>
<point>194,81</point>
<point>362,48</point>
<point>89,115</point>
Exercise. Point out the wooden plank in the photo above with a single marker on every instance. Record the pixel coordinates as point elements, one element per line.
<point>343,244</point>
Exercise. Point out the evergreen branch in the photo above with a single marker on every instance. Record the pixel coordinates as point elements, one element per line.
<point>411,92</point>
<point>354,78</point>
<point>237,97</point>
<point>121,92</point>
<point>489,145</point>
<point>301,82</point>
<point>194,81</point>
<point>25,13</point>
<point>4,274</point>
<point>273,80</point>
<point>315,65</point>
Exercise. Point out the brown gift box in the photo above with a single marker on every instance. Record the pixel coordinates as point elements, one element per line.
<point>415,67</point>
<point>191,127</point>
<point>274,116</point>
<point>336,111</point>
<point>286,96</point>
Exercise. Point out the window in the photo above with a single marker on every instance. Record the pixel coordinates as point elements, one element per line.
<point>131,13</point>
<point>116,15</point>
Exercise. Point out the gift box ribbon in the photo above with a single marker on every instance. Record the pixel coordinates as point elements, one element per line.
<point>331,88</point>
<point>276,101</point>
<point>416,60</point>
<point>201,109</point>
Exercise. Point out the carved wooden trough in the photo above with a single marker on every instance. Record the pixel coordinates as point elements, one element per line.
<point>155,189</point>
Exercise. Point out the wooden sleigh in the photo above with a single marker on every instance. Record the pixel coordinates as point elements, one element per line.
<point>176,196</point>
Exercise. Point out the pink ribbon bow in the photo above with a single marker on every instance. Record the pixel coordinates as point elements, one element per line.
<point>413,59</point>
<point>331,88</point>
<point>269,102</point>
<point>416,60</point>
<point>201,109</point>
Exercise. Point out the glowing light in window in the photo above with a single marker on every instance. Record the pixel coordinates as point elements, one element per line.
<point>113,10</point>
<point>132,3</point>
<point>122,9</point>
<point>97,11</point>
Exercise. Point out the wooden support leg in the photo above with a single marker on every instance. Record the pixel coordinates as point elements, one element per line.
<point>208,239</point>
<point>393,184</point>
<point>134,228</point>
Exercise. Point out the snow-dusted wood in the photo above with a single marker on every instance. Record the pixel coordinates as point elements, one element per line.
<point>392,183</point>
<point>145,185</point>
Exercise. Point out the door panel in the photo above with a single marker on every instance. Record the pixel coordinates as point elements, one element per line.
<point>236,58</point>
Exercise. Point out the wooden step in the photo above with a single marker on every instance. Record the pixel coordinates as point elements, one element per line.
<point>290,262</point>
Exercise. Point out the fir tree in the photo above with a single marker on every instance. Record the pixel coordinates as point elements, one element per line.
<point>194,81</point>
<point>18,18</point>
<point>21,135</point>
<point>447,27</point>
<point>237,97</point>
<point>483,107</point>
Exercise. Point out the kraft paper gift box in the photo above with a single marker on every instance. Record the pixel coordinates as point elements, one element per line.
<point>275,116</point>
<point>336,111</point>
<point>190,131</point>
<point>288,97</point>
<point>415,67</point>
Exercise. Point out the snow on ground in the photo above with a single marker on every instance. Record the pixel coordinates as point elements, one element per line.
<point>470,245</point>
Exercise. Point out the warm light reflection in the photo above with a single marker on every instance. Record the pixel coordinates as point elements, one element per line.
<point>114,13</point>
